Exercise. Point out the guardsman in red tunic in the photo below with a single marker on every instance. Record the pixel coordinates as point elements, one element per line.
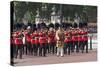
<point>71,41</point>
<point>19,44</point>
<point>33,46</point>
<point>36,33</point>
<point>25,41</point>
<point>68,42</point>
<point>51,40</point>
<point>28,41</point>
<point>47,44</point>
<point>12,48</point>
<point>85,40</point>
<point>75,39</point>
<point>77,43</point>
<point>15,36</point>
<point>13,45</point>
<point>80,40</point>
<point>42,41</point>
<point>65,41</point>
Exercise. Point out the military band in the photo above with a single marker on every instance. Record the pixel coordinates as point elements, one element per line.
<point>44,41</point>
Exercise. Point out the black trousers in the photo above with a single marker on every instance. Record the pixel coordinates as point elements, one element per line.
<point>23,49</point>
<point>12,54</point>
<point>81,46</point>
<point>72,46</point>
<point>85,44</point>
<point>65,48</point>
<point>35,49</point>
<point>29,48</point>
<point>26,48</point>
<point>42,50</point>
<point>47,48</point>
<point>13,50</point>
<point>52,47</point>
<point>38,47</point>
<point>19,48</point>
<point>69,46</point>
<point>76,45</point>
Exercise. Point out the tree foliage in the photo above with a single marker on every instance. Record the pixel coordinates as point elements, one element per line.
<point>20,8</point>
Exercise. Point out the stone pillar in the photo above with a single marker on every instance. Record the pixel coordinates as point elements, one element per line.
<point>53,15</point>
<point>37,17</point>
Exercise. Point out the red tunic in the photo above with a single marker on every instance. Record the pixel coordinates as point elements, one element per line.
<point>18,41</point>
<point>85,37</point>
<point>82,33</point>
<point>51,37</point>
<point>67,39</point>
<point>74,38</point>
<point>36,38</point>
<point>32,37</point>
<point>12,41</point>
<point>80,38</point>
<point>32,41</point>
<point>42,38</point>
<point>73,33</point>
<point>15,35</point>
<point>25,33</point>
<point>85,32</point>
<point>28,37</point>
<point>66,34</point>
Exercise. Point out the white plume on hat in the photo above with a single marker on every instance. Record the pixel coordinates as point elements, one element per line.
<point>28,27</point>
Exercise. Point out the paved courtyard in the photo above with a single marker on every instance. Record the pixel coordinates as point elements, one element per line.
<point>53,59</point>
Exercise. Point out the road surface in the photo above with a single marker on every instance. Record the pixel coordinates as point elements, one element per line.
<point>53,59</point>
